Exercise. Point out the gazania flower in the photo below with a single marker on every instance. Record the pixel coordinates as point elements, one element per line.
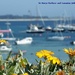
<point>70,51</point>
<point>39,55</point>
<point>47,55</point>
<point>25,74</point>
<point>56,60</point>
<point>44,53</point>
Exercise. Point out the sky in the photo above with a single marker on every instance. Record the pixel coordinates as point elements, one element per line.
<point>37,7</point>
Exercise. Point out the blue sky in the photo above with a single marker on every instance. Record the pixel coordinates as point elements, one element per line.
<point>21,7</point>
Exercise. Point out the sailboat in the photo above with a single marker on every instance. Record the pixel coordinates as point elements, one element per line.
<point>8,30</point>
<point>59,37</point>
<point>36,28</point>
<point>56,38</point>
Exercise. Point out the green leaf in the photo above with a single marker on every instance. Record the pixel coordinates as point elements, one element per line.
<point>10,70</point>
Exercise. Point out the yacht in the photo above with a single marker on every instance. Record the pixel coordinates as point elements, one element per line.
<point>35,29</point>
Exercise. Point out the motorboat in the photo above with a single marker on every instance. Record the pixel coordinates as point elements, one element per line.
<point>27,40</point>
<point>5,49</point>
<point>35,29</point>
<point>5,46</point>
<point>56,38</point>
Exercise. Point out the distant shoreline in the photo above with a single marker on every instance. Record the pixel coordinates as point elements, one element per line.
<point>47,19</point>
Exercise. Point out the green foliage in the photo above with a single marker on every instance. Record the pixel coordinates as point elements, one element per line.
<point>20,65</point>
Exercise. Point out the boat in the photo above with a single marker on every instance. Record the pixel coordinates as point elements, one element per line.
<point>35,29</point>
<point>6,38</point>
<point>8,31</point>
<point>5,49</point>
<point>56,38</point>
<point>59,37</point>
<point>5,46</point>
<point>67,26</point>
<point>73,42</point>
<point>27,40</point>
<point>48,28</point>
<point>57,29</point>
<point>72,28</point>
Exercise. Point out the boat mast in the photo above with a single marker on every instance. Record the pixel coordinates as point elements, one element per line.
<point>9,29</point>
<point>39,15</point>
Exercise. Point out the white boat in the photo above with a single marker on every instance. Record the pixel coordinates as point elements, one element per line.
<point>71,28</point>
<point>5,46</point>
<point>64,26</point>
<point>48,28</point>
<point>56,38</point>
<point>27,40</point>
<point>5,49</point>
<point>35,29</point>
<point>68,27</point>
<point>57,29</point>
<point>59,37</point>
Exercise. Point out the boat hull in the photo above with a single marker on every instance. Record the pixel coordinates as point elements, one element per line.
<point>56,38</point>
<point>27,40</point>
<point>5,49</point>
<point>8,39</point>
<point>36,31</point>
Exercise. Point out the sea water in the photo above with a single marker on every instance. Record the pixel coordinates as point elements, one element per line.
<point>40,41</point>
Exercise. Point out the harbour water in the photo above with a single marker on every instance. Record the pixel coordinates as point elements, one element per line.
<point>40,41</point>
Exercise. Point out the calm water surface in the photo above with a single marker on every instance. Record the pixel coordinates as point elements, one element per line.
<point>40,41</point>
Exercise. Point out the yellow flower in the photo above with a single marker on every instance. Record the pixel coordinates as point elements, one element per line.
<point>13,74</point>
<point>70,51</point>
<point>39,55</point>
<point>44,53</point>
<point>56,60</point>
<point>2,41</point>
<point>49,58</point>
<point>25,74</point>
<point>66,51</point>
<point>47,55</point>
